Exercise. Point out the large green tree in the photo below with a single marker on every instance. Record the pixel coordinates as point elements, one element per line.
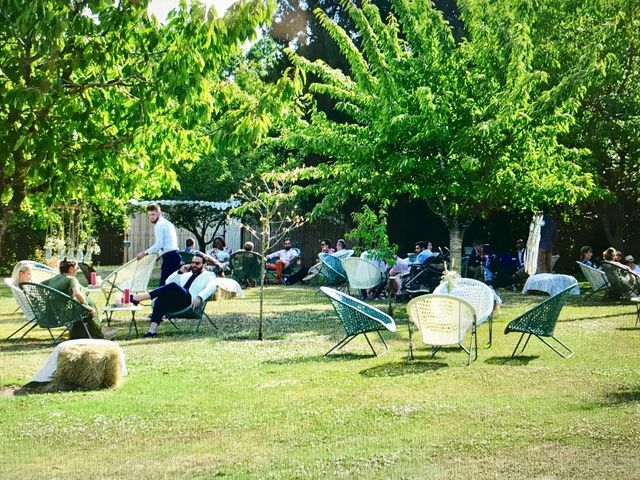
<point>470,126</point>
<point>99,101</point>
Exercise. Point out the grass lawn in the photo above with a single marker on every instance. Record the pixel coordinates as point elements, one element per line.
<point>222,404</point>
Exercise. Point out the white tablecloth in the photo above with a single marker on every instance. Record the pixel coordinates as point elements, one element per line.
<point>45,374</point>
<point>551,283</point>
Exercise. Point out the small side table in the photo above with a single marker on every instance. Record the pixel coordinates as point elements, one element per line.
<point>109,311</point>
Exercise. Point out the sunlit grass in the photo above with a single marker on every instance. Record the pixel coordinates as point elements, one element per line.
<point>224,404</point>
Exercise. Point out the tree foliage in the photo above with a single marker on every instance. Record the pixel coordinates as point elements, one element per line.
<point>469,126</point>
<point>99,101</point>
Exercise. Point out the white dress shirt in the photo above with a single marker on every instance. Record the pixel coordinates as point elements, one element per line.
<point>284,255</point>
<point>203,286</point>
<point>166,237</point>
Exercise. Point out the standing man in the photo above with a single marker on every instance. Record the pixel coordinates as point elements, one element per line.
<point>166,243</point>
<point>548,235</point>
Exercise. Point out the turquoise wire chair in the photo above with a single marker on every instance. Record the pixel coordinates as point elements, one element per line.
<point>358,318</point>
<point>189,313</point>
<point>333,271</point>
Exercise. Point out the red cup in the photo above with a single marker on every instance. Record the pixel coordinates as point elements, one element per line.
<point>93,278</point>
<point>127,295</point>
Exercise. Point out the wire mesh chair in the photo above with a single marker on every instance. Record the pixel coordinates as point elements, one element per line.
<point>444,320</point>
<point>332,270</point>
<point>478,294</point>
<point>134,275</point>
<point>597,279</point>
<point>623,283</point>
<point>540,321</point>
<point>362,274</point>
<point>189,313</point>
<point>297,265</point>
<point>53,309</point>
<point>39,273</point>
<point>246,266</point>
<point>357,318</point>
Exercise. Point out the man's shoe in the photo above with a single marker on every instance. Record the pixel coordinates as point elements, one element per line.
<point>149,335</point>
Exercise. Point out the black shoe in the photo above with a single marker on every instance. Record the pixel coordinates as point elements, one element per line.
<point>149,335</point>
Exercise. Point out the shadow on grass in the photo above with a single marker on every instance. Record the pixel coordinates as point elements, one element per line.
<point>334,357</point>
<point>621,397</point>
<point>403,368</point>
<point>523,360</point>
<point>626,329</point>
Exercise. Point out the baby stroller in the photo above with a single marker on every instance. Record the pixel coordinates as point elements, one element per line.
<point>422,278</point>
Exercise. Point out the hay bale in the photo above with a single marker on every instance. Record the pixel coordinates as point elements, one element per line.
<point>87,367</point>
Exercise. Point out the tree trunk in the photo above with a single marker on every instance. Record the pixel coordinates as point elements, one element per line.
<point>263,271</point>
<point>613,223</point>
<point>456,233</point>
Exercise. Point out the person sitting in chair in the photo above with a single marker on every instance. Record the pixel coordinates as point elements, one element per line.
<point>285,260</point>
<point>190,285</point>
<point>631,263</point>
<point>67,283</point>
<point>586,254</point>
<point>189,246</point>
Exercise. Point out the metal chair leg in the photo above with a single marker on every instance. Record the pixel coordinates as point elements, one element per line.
<point>518,344</point>
<point>340,344</point>
<point>25,333</point>
<point>382,338</point>
<point>371,346</point>
<point>525,344</point>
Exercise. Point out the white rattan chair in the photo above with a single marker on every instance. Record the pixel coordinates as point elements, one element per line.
<point>362,274</point>
<point>39,271</point>
<point>478,294</point>
<point>444,320</point>
<point>134,275</point>
<point>597,278</point>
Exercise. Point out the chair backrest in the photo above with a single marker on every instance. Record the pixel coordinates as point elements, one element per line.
<point>596,278</point>
<point>356,316</point>
<point>39,271</point>
<point>20,299</point>
<point>541,320</point>
<point>623,282</point>
<point>342,254</point>
<point>245,265</point>
<point>478,294</point>
<point>51,307</point>
<point>134,275</point>
<point>442,319</point>
<point>332,269</point>
<point>361,273</point>
<point>185,258</point>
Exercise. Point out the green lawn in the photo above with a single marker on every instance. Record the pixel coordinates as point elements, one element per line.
<point>222,404</point>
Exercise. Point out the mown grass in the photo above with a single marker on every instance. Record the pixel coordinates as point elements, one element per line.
<point>222,404</point>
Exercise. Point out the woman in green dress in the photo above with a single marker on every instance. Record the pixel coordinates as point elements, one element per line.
<point>66,282</point>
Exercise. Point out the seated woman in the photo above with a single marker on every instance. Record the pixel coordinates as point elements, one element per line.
<point>586,253</point>
<point>67,283</point>
<point>220,251</point>
<point>624,282</point>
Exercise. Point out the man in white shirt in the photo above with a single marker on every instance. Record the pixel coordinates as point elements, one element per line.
<point>191,285</point>
<point>166,243</point>
<point>285,259</point>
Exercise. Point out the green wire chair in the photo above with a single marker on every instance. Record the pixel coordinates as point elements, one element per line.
<point>245,266</point>
<point>53,309</point>
<point>358,318</point>
<point>540,321</point>
<point>189,313</point>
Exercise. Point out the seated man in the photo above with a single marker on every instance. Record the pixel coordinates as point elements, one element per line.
<point>285,259</point>
<point>190,285</point>
<point>401,272</point>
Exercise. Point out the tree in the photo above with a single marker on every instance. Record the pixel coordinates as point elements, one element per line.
<point>99,101</point>
<point>269,198</point>
<point>469,126</point>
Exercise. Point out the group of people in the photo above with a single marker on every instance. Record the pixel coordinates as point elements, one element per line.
<point>611,255</point>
